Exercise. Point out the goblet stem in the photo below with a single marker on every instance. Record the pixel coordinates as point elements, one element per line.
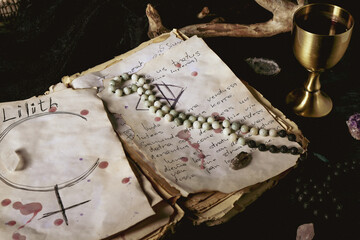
<point>313,82</point>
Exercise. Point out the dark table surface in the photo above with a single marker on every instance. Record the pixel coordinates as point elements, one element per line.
<point>51,39</point>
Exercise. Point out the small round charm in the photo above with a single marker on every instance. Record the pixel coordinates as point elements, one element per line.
<point>241,160</point>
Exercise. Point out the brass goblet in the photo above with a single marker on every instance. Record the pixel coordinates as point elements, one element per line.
<point>320,36</point>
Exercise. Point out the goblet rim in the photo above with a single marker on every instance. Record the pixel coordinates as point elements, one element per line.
<point>351,18</point>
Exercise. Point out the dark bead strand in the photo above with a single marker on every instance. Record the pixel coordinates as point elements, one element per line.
<point>292,137</point>
<point>262,147</point>
<point>294,151</point>
<point>251,144</point>
<point>284,149</point>
<point>282,133</point>
<point>273,149</point>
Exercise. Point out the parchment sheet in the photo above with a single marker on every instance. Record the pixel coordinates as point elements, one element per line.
<point>75,181</point>
<point>191,77</point>
<point>130,64</point>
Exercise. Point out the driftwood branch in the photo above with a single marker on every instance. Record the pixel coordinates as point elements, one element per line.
<point>281,22</point>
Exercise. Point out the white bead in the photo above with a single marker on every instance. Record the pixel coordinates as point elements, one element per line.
<point>146,86</point>
<point>165,109</point>
<point>148,92</point>
<point>226,123</point>
<point>197,125</point>
<point>201,119</point>
<point>127,90</point>
<point>140,90</point>
<point>244,129</point>
<point>182,116</point>
<point>151,98</point>
<point>263,132</point>
<point>134,88</point>
<point>272,132</point>
<point>206,126</point>
<point>215,125</point>
<point>235,126</point>
<point>157,104</point>
<point>254,131</point>
<point>226,131</point>
<point>187,124</point>
<point>112,82</point>
<point>174,112</point>
<point>233,137</point>
<point>118,92</point>
<point>125,76</point>
<point>134,77</point>
<point>141,81</point>
<point>159,113</point>
<point>178,121</point>
<point>147,103</point>
<point>144,97</point>
<point>117,78</point>
<point>241,141</point>
<point>192,118</point>
<point>168,117</point>
<point>112,88</point>
<point>153,109</point>
<point>210,119</point>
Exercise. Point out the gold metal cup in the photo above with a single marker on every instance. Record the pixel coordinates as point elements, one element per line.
<point>320,36</point>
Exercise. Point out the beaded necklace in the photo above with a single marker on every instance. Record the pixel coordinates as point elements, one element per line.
<point>230,129</point>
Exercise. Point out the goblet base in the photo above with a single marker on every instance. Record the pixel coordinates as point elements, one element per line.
<point>309,104</point>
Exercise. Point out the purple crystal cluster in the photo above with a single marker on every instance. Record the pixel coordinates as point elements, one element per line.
<point>354,125</point>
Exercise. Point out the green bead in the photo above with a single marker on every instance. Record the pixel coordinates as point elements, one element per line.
<point>235,126</point>
<point>125,76</point>
<point>182,116</point>
<point>174,112</point>
<point>187,123</point>
<point>168,117</point>
<point>192,118</point>
<point>215,125</point>
<point>241,141</point>
<point>118,92</point>
<point>233,137</point>
<point>134,77</point>
<point>178,121</point>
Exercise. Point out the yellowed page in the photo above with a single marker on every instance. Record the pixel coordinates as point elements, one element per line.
<point>194,80</point>
<point>75,181</point>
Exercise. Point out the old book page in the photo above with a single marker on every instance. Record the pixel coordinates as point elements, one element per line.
<point>192,79</point>
<point>63,170</point>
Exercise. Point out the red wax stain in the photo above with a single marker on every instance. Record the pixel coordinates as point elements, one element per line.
<point>195,145</point>
<point>219,130</point>
<point>184,159</point>
<point>103,164</point>
<point>18,236</point>
<point>157,119</point>
<point>125,180</point>
<point>218,117</point>
<point>84,112</point>
<point>178,65</point>
<point>185,135</point>
<point>5,202</point>
<point>52,109</point>
<point>31,208</point>
<point>11,223</point>
<point>58,222</point>
<point>194,73</point>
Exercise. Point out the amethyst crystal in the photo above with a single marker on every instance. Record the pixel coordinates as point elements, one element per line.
<point>354,125</point>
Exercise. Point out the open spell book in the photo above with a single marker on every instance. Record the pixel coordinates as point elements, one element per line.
<point>70,177</point>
